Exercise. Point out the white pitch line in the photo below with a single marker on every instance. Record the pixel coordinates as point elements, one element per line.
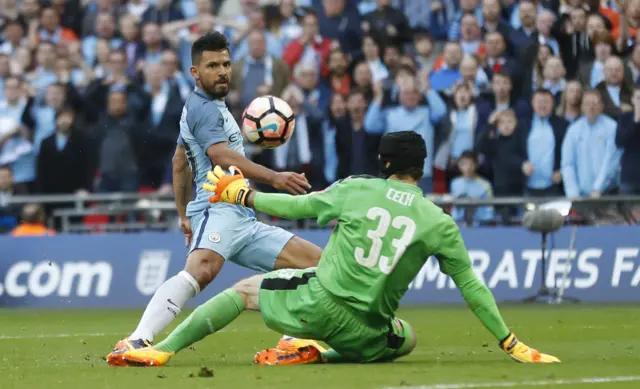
<point>97,334</point>
<point>52,336</point>
<point>593,380</point>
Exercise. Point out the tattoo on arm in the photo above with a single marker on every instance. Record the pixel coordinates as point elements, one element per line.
<point>181,181</point>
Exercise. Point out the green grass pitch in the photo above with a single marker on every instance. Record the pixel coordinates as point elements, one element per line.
<point>65,349</point>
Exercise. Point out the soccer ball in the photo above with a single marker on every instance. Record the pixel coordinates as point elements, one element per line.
<point>268,122</point>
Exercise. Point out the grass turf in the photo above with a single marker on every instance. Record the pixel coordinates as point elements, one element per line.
<point>65,349</point>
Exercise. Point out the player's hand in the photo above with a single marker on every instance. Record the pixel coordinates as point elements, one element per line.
<point>520,352</point>
<point>293,183</point>
<point>231,189</point>
<point>185,226</point>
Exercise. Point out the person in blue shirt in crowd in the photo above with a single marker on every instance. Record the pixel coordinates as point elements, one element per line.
<point>590,160</point>
<point>543,136</point>
<point>470,185</point>
<point>409,116</point>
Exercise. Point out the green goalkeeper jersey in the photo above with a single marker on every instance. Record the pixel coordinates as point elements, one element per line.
<point>386,231</point>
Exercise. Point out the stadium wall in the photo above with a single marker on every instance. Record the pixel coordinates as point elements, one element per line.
<point>123,270</point>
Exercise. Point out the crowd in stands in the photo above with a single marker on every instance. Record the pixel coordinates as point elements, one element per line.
<point>513,97</point>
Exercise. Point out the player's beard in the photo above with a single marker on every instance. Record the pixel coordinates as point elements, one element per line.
<point>218,89</point>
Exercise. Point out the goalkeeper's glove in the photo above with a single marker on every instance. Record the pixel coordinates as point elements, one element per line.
<point>523,353</point>
<point>231,189</point>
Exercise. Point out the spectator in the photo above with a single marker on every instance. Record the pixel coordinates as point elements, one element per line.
<point>288,27</point>
<point>590,159</point>
<point>150,52</point>
<point>371,53</point>
<point>257,23</point>
<point>409,116</point>
<point>260,73</point>
<point>16,149</point>
<point>156,136</point>
<point>387,24</point>
<point>628,139</point>
<point>592,73</point>
<point>363,79</point>
<point>449,73</point>
<point>543,136</point>
<point>425,53</point>
<point>32,223</point>
<point>544,24</point>
<point>616,94</point>
<point>630,15</point>
<point>40,118</point>
<point>496,55</point>
<point>115,79</point>
<point>500,99</point>
<point>65,162</point>
<point>532,72</point>
<point>554,81</point>
<point>172,74</point>
<point>357,147</point>
<point>473,75</point>
<point>526,32</point>
<point>95,8</point>
<point>8,213</point>
<point>391,57</point>
<point>466,7</point>
<point>114,136</point>
<point>339,20</point>
<point>491,14</point>
<point>337,114</point>
<point>31,13</point>
<point>462,125</point>
<point>105,29</point>
<point>503,145</point>
<point>310,46</point>
<point>45,73</point>
<point>162,12</point>
<point>470,35</point>
<point>296,154</point>
<point>339,80</point>
<point>575,44</point>
<point>471,186</point>
<point>130,43</point>
<point>306,77</point>
<point>392,88</point>
<point>5,71</point>
<point>50,29</point>
<point>13,38</point>
<point>570,101</point>
<point>101,65</point>
<point>73,69</point>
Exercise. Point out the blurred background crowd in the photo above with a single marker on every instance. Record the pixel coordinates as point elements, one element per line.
<point>513,97</point>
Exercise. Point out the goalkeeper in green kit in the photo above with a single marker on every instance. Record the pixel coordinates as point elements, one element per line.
<point>386,232</point>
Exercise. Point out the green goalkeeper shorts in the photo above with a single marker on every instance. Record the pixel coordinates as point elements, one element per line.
<point>294,303</point>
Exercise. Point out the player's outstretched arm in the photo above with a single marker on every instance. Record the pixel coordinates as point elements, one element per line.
<point>454,261</point>
<point>223,156</point>
<point>325,205</point>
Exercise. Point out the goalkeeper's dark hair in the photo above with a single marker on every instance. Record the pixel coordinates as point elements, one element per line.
<point>211,41</point>
<point>402,154</point>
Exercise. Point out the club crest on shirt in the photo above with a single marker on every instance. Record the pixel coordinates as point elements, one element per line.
<point>214,237</point>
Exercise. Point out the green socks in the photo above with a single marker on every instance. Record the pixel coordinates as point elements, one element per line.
<point>208,318</point>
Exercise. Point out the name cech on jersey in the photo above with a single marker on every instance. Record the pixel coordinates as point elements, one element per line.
<point>402,198</point>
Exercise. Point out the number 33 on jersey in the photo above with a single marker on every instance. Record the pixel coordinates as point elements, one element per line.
<point>387,231</point>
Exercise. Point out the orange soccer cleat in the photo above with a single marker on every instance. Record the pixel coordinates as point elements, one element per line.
<point>287,343</point>
<point>123,345</point>
<point>299,356</point>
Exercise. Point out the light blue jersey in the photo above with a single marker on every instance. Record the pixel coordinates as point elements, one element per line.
<point>230,230</point>
<point>205,122</point>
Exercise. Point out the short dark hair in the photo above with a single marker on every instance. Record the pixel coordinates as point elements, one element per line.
<point>543,91</point>
<point>211,41</point>
<point>502,73</point>
<point>469,154</point>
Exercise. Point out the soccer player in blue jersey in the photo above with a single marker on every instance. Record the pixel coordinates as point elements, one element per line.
<point>210,136</point>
